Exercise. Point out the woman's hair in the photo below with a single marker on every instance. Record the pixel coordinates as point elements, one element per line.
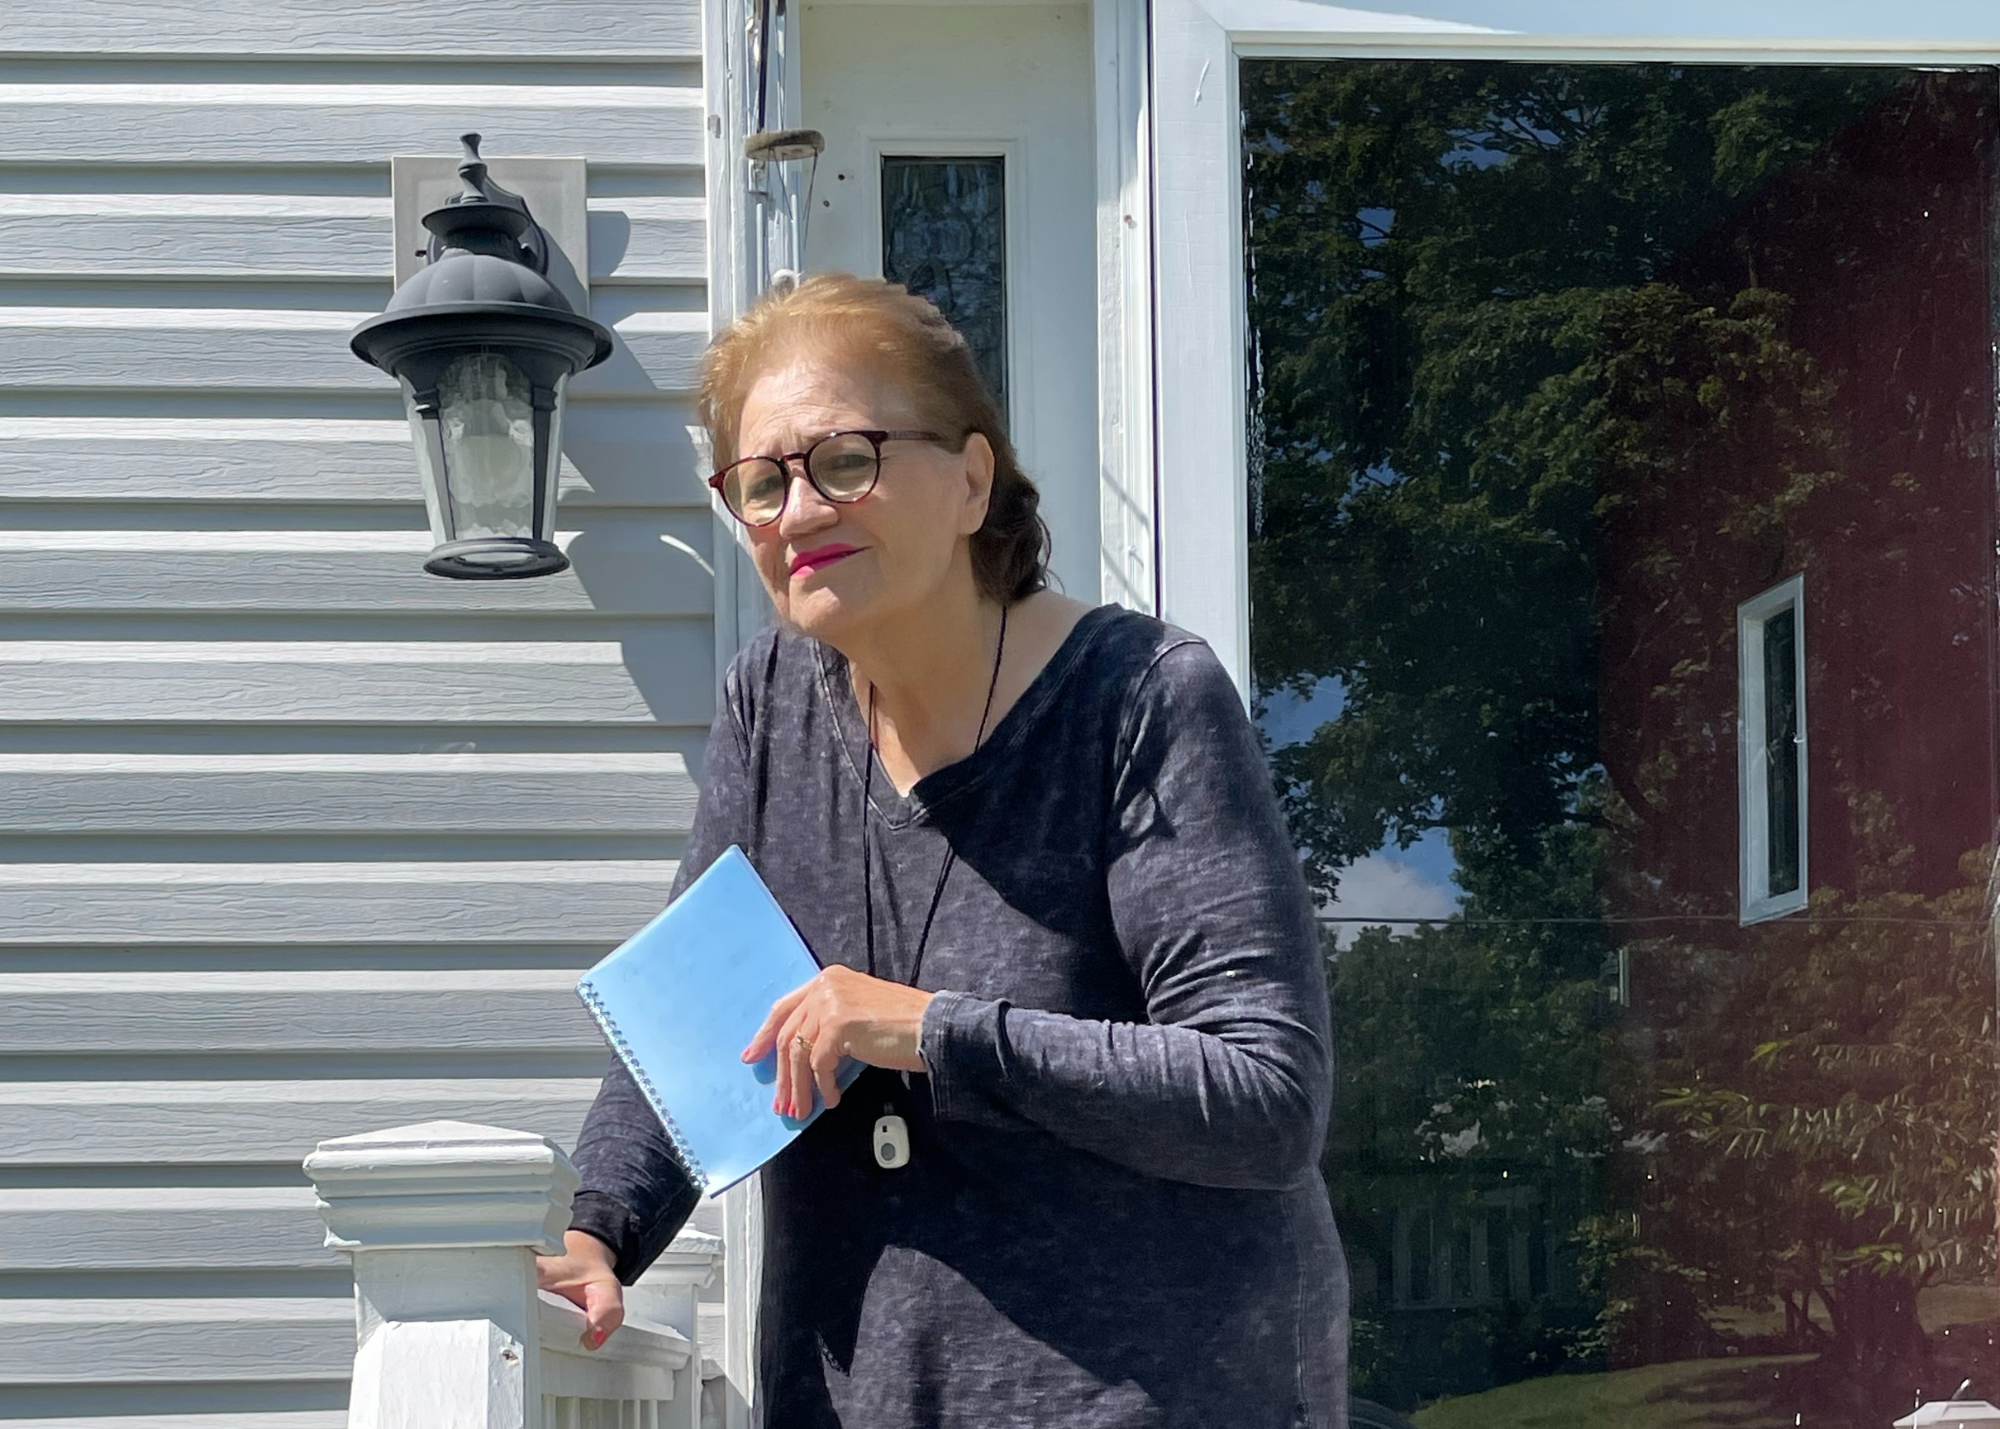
<point>908,341</point>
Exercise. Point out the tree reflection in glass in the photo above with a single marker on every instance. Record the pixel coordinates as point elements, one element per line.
<point>1781,750</point>
<point>1557,366</point>
<point>944,237</point>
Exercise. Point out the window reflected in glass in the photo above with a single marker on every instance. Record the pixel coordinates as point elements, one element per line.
<point>1773,740</point>
<point>1622,631</point>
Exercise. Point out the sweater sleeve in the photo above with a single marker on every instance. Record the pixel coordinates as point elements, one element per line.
<point>635,1195</point>
<point>1227,1083</point>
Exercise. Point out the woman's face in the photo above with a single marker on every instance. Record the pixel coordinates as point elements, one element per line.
<point>835,569</point>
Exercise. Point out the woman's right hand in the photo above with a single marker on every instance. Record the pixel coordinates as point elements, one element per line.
<point>583,1275</point>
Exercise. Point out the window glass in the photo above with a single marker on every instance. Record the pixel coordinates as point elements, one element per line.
<point>1781,739</point>
<point>1558,369</point>
<point>1781,751</point>
<point>944,237</point>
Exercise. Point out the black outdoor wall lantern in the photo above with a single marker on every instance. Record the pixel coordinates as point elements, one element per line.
<point>484,346</point>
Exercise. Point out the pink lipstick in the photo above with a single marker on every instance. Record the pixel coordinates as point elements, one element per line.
<point>820,557</point>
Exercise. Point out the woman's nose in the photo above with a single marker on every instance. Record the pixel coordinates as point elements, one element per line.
<point>805,509</point>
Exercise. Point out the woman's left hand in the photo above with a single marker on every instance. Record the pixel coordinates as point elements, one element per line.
<point>840,1013</point>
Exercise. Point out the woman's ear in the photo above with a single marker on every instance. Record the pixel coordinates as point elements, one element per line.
<point>978,482</point>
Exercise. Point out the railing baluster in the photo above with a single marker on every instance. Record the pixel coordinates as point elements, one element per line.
<point>669,1293</point>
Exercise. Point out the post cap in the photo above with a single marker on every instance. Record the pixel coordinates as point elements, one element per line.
<point>693,1259</point>
<point>443,1185</point>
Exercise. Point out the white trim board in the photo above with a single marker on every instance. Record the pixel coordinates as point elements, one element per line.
<point>735,277</point>
<point>1127,482</point>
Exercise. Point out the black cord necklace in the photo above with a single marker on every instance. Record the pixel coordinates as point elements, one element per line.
<point>950,853</point>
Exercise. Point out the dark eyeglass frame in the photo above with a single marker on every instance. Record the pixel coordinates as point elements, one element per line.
<point>803,460</point>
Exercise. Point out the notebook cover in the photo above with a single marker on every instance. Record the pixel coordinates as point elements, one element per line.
<point>681,999</point>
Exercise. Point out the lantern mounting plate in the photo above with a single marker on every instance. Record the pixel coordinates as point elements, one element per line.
<point>552,189</point>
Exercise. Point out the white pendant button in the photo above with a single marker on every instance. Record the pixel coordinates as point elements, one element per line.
<point>892,1142</point>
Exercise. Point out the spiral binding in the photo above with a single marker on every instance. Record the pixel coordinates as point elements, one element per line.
<point>689,1160</point>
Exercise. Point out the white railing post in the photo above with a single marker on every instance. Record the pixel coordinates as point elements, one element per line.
<point>669,1293</point>
<point>444,1221</point>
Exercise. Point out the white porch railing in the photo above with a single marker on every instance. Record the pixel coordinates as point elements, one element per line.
<point>443,1221</point>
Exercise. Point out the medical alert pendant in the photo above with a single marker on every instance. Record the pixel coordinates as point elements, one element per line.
<point>892,1140</point>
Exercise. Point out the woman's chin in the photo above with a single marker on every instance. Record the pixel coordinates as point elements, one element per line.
<point>822,611</point>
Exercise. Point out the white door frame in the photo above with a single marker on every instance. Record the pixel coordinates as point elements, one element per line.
<point>737,273</point>
<point>1200,315</point>
<point>1127,478</point>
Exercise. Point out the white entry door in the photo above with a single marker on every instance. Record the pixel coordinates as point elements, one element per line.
<point>960,160</point>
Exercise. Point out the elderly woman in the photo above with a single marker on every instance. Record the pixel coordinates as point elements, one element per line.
<point>1035,848</point>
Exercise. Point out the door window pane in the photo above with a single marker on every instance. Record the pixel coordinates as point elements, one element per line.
<point>944,237</point>
<point>1655,893</point>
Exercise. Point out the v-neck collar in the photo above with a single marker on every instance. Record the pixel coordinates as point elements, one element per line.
<point>944,784</point>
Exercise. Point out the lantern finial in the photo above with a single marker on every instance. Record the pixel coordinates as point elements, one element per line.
<point>485,218</point>
<point>472,169</point>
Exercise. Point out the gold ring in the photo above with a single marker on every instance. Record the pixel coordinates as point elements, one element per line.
<point>805,1042</point>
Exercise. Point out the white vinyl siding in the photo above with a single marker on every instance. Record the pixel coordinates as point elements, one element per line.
<point>297,840</point>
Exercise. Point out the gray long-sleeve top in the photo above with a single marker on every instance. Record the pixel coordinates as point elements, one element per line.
<point>1113,1216</point>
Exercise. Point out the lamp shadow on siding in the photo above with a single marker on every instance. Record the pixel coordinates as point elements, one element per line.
<point>641,547</point>
<point>659,586</point>
<point>619,375</point>
<point>639,510</point>
<point>610,233</point>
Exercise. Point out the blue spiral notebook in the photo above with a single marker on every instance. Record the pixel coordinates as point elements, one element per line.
<point>681,999</point>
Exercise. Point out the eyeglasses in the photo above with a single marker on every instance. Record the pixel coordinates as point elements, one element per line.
<point>842,467</point>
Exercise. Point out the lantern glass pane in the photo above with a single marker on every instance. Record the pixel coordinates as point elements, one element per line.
<point>420,439</point>
<point>489,446</point>
<point>554,458</point>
